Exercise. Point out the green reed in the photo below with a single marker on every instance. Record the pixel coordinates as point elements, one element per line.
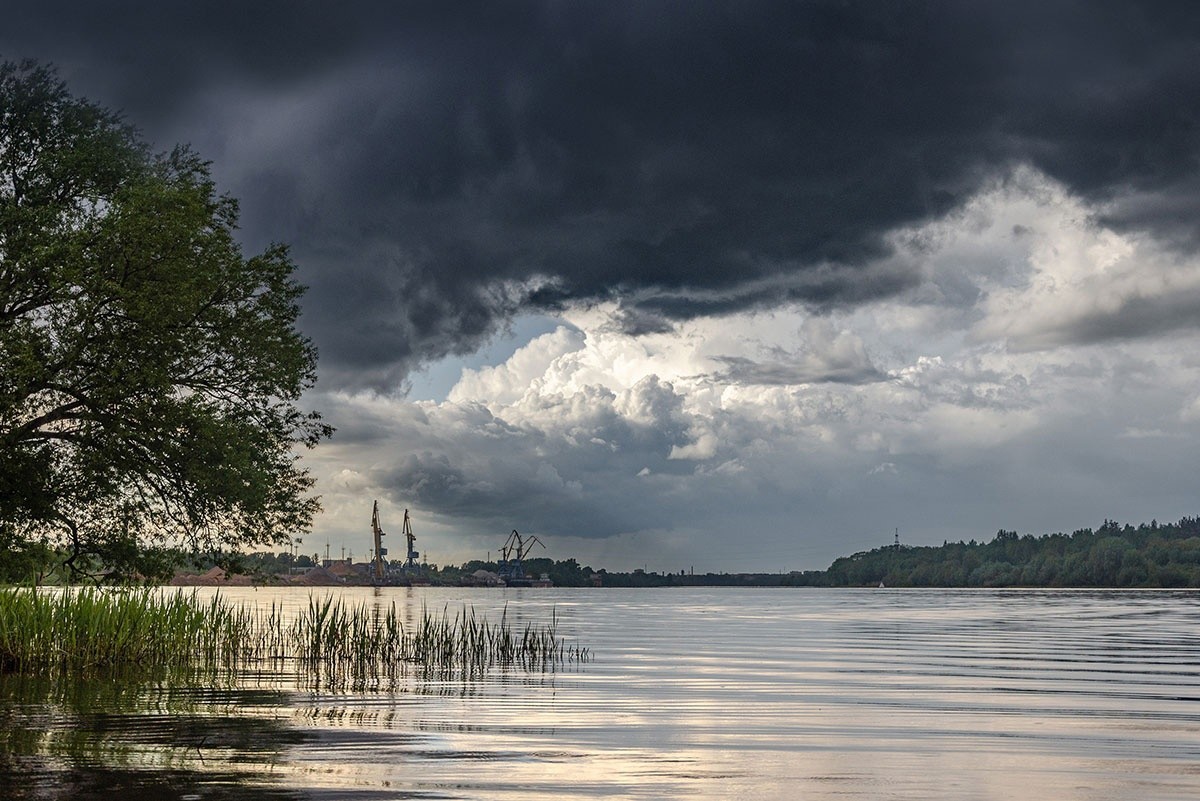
<point>86,630</point>
<point>77,633</point>
<point>353,645</point>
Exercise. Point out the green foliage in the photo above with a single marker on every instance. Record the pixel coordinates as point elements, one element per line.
<point>79,634</point>
<point>84,631</point>
<point>1150,555</point>
<point>150,372</point>
<point>24,562</point>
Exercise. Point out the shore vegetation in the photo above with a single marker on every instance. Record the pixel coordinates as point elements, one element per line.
<point>155,634</point>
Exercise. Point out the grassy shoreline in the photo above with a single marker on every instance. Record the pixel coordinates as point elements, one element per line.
<point>143,632</point>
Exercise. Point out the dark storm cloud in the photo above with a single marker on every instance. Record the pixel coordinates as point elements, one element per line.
<point>740,370</point>
<point>540,499</point>
<point>440,167</point>
<point>1134,318</point>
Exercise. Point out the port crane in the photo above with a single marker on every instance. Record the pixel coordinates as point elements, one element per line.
<point>515,549</point>
<point>410,561</point>
<point>380,551</point>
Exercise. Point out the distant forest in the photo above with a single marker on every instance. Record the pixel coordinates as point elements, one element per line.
<point>1150,555</point>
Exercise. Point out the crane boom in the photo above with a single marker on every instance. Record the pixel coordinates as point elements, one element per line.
<point>525,547</point>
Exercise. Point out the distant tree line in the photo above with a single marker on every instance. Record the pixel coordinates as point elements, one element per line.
<point>1150,555</point>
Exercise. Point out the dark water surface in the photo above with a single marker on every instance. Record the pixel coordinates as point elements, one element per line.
<point>693,693</point>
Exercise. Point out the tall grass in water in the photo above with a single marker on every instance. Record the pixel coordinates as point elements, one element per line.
<point>354,645</point>
<point>89,631</point>
<point>83,631</point>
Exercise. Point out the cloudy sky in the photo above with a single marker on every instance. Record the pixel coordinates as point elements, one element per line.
<point>731,286</point>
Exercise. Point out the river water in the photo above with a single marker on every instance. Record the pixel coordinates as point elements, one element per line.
<point>692,693</point>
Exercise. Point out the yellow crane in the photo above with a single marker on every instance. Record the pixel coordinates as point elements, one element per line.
<point>411,555</point>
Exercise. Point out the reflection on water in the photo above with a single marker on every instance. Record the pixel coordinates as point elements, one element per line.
<point>693,693</point>
<point>93,739</point>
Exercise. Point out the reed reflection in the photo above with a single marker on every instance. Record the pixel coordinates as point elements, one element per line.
<point>67,739</point>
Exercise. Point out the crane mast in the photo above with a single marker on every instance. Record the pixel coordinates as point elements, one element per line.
<point>380,551</point>
<point>410,562</point>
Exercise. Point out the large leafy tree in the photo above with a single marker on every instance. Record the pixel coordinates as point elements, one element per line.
<point>150,373</point>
